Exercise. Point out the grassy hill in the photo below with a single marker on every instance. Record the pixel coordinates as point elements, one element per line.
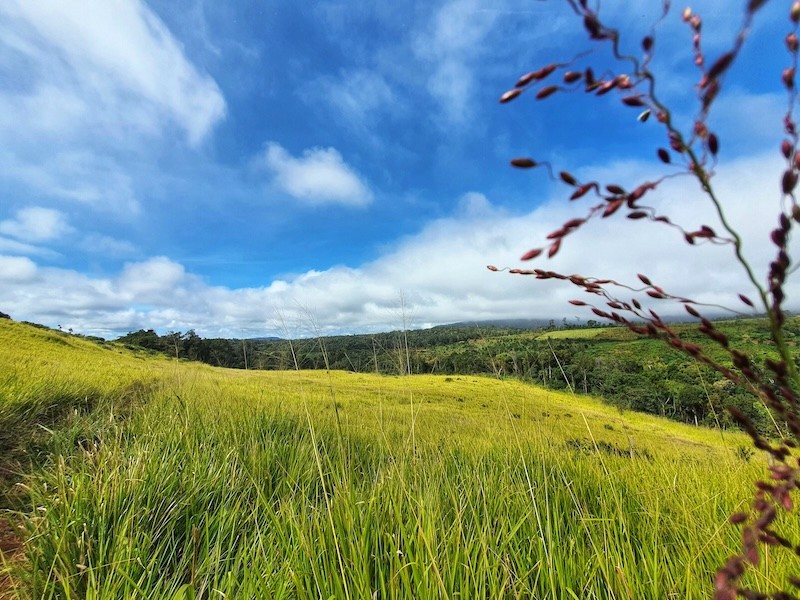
<point>626,370</point>
<point>145,477</point>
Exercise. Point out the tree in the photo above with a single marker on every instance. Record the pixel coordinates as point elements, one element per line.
<point>774,380</point>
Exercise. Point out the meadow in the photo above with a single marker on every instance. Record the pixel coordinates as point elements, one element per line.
<point>129,475</point>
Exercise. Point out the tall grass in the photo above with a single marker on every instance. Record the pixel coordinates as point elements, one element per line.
<point>243,485</point>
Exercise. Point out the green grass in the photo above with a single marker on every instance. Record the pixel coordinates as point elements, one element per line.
<point>573,334</point>
<point>234,484</point>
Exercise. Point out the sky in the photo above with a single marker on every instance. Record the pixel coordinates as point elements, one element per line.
<point>256,168</point>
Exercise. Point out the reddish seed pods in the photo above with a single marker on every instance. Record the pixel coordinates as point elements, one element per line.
<point>510,95</point>
<point>546,91</point>
<point>523,163</point>
<point>531,254</point>
<point>567,178</point>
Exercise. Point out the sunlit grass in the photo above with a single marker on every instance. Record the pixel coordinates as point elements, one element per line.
<point>234,484</point>
<point>573,334</point>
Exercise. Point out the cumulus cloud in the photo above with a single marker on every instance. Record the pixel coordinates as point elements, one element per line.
<point>320,176</point>
<point>35,224</point>
<point>440,271</point>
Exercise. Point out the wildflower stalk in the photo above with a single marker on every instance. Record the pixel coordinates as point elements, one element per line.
<point>777,384</point>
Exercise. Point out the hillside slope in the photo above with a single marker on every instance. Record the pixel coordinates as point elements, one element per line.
<point>181,478</point>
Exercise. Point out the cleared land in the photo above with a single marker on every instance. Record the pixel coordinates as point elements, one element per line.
<point>151,478</point>
<point>573,334</point>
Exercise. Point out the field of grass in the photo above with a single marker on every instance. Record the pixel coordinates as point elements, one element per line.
<point>585,333</point>
<point>149,478</point>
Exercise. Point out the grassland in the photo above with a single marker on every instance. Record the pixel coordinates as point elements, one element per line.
<point>146,478</point>
<point>585,333</point>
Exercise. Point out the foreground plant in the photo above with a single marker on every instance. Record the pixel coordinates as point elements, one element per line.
<point>775,380</point>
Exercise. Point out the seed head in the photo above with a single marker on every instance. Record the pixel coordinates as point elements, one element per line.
<point>746,300</point>
<point>737,518</point>
<point>592,25</point>
<point>606,87</point>
<point>713,144</point>
<point>581,191</point>
<point>536,75</point>
<point>623,82</point>
<point>546,91</point>
<point>615,189</point>
<point>612,207</point>
<point>789,181</point>
<point>567,178</point>
<point>510,95</point>
<point>531,254</point>
<point>573,223</point>
<point>788,77</point>
<point>633,101</point>
<point>523,163</point>
<point>700,129</point>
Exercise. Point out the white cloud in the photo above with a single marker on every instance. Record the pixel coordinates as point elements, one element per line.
<point>358,95</point>
<point>116,54</point>
<point>35,224</point>
<point>79,176</point>
<point>441,270</point>
<point>450,46</point>
<point>15,247</point>
<point>320,176</point>
<point>87,87</point>
<point>98,244</point>
<point>17,269</point>
<point>142,281</point>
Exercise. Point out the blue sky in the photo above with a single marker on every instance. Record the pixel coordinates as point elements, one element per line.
<point>258,168</point>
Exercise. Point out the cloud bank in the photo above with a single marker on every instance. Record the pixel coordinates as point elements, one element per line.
<point>440,271</point>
